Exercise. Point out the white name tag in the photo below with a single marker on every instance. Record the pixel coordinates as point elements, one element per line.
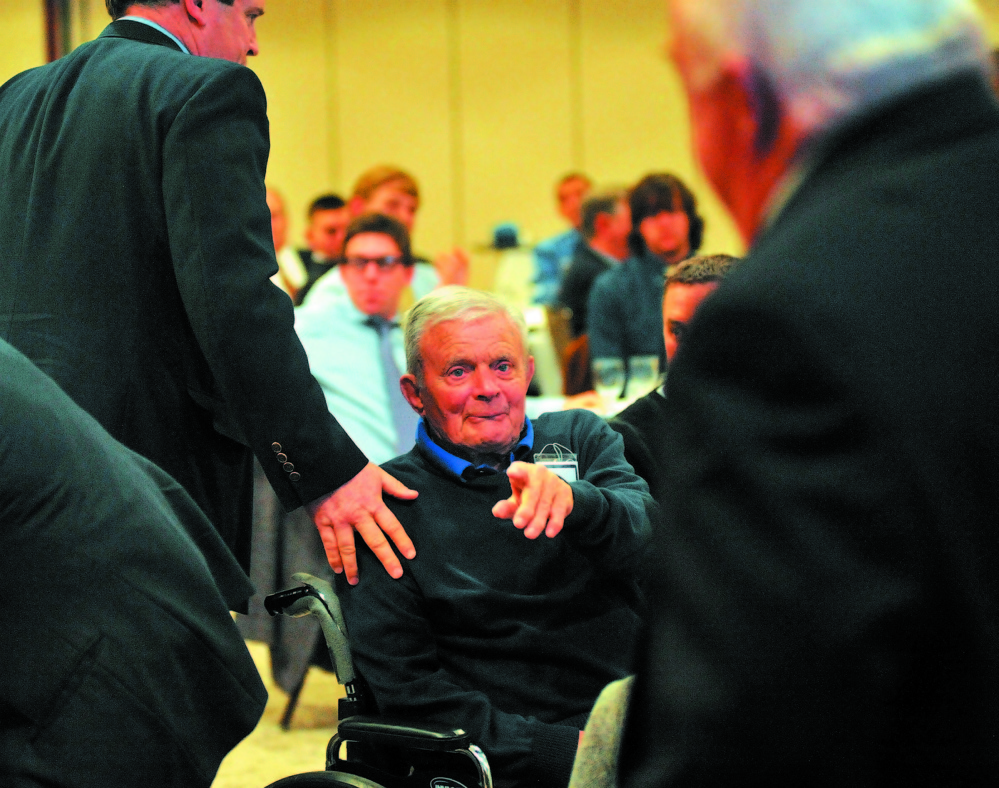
<point>559,460</point>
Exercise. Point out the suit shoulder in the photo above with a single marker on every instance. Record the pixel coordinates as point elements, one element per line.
<point>650,408</point>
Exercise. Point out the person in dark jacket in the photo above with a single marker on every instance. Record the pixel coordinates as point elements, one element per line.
<point>121,663</point>
<point>824,610</point>
<point>137,252</point>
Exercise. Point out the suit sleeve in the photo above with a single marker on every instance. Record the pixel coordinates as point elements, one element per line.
<point>258,386</point>
<point>787,566</point>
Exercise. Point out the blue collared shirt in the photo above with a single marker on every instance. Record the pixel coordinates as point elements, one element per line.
<point>463,469</point>
<point>162,29</point>
<point>551,259</point>
<point>344,357</point>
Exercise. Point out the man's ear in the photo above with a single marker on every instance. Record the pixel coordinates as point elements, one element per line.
<point>195,10</point>
<point>411,391</point>
<point>530,369</point>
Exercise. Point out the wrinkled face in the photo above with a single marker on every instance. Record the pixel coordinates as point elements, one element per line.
<point>326,232</point>
<point>570,199</point>
<point>392,201</point>
<point>279,220</point>
<point>375,290</point>
<point>679,305</point>
<point>229,31</point>
<point>475,379</point>
<point>667,234</point>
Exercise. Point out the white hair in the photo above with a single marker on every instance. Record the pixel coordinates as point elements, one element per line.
<point>826,59</point>
<point>453,302</point>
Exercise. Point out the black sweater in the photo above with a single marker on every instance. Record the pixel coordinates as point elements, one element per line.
<point>508,638</point>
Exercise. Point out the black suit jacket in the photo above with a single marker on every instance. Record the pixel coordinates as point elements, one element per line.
<point>826,603</point>
<point>642,426</point>
<point>121,662</point>
<point>136,257</point>
<point>579,277</point>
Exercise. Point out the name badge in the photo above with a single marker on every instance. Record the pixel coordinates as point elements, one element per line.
<point>559,460</point>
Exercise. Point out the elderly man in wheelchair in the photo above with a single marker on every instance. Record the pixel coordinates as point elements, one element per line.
<point>523,600</point>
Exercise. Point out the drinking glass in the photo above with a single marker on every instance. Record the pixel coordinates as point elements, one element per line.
<point>643,375</point>
<point>608,380</point>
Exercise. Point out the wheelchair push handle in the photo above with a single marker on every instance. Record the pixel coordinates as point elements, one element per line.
<point>316,597</point>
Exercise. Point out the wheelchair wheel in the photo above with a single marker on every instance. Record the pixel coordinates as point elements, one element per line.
<point>324,780</point>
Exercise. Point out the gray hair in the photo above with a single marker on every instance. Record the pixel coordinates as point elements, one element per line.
<point>829,59</point>
<point>452,303</point>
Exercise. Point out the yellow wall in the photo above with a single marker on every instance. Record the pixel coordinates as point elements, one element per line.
<point>990,12</point>
<point>487,102</point>
<point>22,37</point>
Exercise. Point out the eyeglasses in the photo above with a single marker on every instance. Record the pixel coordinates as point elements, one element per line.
<point>384,263</point>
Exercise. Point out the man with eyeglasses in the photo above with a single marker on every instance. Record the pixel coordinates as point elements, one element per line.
<point>343,333</point>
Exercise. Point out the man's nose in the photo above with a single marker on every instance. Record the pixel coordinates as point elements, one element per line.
<point>485,384</point>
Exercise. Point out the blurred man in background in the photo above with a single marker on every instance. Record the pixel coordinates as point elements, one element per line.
<point>394,192</point>
<point>624,310</point>
<point>553,255</point>
<point>605,227</point>
<point>291,275</point>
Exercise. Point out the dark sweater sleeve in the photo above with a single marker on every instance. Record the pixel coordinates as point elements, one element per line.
<point>395,651</point>
<point>612,508</point>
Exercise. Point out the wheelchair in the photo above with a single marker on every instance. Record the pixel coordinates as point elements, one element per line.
<point>370,751</point>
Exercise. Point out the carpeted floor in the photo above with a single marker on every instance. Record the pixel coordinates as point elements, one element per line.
<point>270,753</point>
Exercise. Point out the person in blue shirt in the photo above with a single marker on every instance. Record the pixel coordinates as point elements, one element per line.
<point>553,255</point>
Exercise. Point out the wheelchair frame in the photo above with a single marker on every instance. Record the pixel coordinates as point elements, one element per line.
<point>370,751</point>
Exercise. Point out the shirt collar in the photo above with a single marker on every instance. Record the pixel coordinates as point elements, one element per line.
<point>463,469</point>
<point>376,321</point>
<point>162,29</point>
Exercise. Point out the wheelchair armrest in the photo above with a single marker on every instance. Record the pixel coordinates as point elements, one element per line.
<point>402,733</point>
